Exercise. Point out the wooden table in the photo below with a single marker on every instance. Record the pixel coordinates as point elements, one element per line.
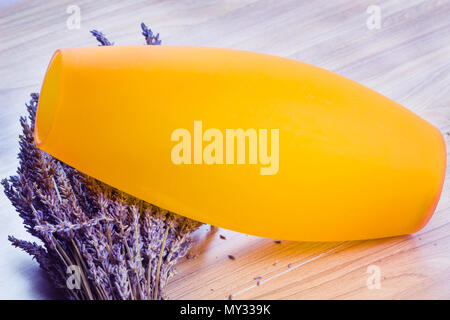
<point>406,59</point>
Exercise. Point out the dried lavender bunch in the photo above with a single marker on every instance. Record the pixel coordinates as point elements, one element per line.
<point>123,247</point>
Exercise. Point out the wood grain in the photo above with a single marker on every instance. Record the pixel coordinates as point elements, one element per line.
<point>407,59</point>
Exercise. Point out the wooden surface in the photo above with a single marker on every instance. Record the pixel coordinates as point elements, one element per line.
<point>407,59</point>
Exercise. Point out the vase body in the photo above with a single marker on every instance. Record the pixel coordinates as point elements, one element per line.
<point>319,157</point>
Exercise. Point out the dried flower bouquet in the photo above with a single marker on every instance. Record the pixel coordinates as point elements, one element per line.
<point>97,242</point>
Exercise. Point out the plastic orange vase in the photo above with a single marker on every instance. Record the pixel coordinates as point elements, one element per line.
<point>249,142</point>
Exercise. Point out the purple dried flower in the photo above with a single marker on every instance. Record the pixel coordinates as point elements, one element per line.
<point>101,38</point>
<point>150,37</point>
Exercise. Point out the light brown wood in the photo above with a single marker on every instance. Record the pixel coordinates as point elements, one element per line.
<point>407,59</point>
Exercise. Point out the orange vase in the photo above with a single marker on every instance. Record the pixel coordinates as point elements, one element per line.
<point>250,142</point>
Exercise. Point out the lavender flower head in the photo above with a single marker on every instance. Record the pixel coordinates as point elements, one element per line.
<point>150,38</point>
<point>101,38</point>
